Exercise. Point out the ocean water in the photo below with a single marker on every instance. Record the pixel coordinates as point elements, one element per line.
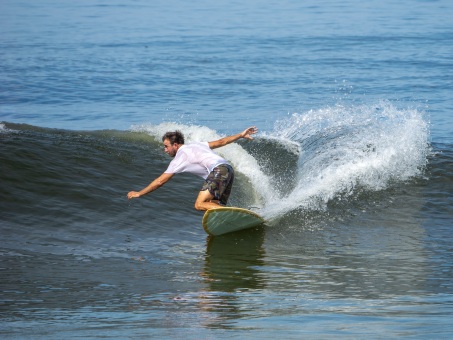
<point>352,169</point>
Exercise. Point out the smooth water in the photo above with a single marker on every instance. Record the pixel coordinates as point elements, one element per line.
<point>352,169</point>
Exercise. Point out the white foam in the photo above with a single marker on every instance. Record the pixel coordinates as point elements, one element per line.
<point>5,130</point>
<point>366,146</point>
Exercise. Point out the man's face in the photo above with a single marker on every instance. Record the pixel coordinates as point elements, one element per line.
<point>170,149</point>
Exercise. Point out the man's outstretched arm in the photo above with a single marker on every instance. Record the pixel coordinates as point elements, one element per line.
<point>156,184</point>
<point>230,139</point>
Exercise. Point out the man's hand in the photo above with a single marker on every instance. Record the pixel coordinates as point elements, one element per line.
<point>157,183</point>
<point>249,131</point>
<point>230,139</point>
<point>133,194</point>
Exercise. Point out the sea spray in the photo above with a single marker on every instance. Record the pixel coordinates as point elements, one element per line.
<point>345,148</point>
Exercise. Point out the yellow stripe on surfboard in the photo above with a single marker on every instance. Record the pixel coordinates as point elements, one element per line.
<point>222,220</point>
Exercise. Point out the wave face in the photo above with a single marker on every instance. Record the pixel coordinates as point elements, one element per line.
<point>306,162</point>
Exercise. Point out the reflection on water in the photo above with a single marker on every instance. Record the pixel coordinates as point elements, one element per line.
<point>232,267</point>
<point>232,260</point>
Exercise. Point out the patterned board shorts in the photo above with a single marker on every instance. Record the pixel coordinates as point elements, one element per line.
<point>219,183</point>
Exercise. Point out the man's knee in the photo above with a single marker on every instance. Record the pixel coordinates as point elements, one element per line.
<point>203,196</point>
<point>198,206</point>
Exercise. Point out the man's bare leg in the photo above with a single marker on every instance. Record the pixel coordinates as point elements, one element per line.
<point>205,201</point>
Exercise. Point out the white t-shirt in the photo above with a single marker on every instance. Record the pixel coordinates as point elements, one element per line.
<point>196,158</point>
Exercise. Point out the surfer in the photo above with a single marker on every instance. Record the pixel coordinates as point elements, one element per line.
<point>199,159</point>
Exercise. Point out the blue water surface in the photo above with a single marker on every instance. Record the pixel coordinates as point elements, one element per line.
<point>371,259</point>
<point>104,64</point>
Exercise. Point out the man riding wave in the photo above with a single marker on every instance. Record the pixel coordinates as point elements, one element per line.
<point>199,159</point>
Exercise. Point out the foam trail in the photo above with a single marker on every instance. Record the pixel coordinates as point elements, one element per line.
<point>345,148</point>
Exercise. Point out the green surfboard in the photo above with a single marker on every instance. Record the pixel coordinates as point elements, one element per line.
<point>223,220</point>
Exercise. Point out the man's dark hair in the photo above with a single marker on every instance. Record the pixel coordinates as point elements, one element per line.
<point>174,137</point>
